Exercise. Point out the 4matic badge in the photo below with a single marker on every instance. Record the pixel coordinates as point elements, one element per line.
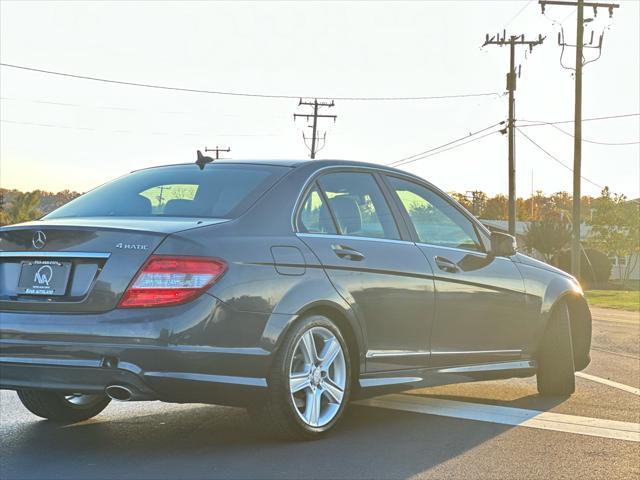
<point>132,246</point>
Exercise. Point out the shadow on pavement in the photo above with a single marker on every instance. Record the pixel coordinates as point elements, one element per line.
<point>221,442</point>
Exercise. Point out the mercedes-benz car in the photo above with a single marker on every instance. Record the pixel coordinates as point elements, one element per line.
<point>286,287</point>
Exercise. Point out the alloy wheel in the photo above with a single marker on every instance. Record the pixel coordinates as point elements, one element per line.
<point>317,376</point>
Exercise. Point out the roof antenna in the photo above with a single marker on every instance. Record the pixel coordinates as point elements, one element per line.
<point>203,160</point>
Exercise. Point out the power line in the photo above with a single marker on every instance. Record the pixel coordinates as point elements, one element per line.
<point>556,159</point>
<point>447,149</point>
<point>110,107</point>
<point>446,144</point>
<point>596,142</point>
<point>88,129</point>
<point>517,14</point>
<point>537,123</point>
<point>554,125</point>
<point>241,94</point>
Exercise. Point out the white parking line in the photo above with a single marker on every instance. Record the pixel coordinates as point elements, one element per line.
<point>594,427</point>
<point>611,383</point>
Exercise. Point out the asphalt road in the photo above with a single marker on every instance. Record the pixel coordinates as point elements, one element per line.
<point>155,440</point>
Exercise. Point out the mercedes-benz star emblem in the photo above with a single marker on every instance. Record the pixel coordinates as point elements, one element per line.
<point>39,239</point>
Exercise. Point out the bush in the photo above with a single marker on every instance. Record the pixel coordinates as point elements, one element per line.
<point>548,236</point>
<point>594,270</point>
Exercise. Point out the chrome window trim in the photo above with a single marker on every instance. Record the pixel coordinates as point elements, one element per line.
<point>382,170</point>
<point>396,353</point>
<point>475,223</point>
<point>352,237</point>
<point>354,168</point>
<point>55,254</point>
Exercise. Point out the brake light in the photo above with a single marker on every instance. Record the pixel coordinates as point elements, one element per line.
<point>168,280</point>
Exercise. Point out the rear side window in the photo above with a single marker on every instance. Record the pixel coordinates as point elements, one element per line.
<point>218,191</point>
<point>358,205</point>
<point>314,216</point>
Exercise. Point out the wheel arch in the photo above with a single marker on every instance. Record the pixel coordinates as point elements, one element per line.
<point>346,327</point>
<point>579,318</point>
<point>343,318</point>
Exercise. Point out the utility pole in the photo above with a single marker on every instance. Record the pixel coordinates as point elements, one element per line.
<point>577,133</point>
<point>162,189</point>
<point>532,198</point>
<point>314,126</point>
<point>476,201</point>
<point>513,41</point>
<point>217,150</point>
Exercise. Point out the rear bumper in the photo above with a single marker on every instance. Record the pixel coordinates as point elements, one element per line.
<point>82,368</point>
<point>151,353</point>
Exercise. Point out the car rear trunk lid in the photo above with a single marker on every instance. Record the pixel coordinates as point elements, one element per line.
<point>78,265</point>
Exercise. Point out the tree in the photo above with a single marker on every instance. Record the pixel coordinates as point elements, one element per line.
<point>463,200</point>
<point>616,229</point>
<point>23,208</point>
<point>496,208</point>
<point>549,235</point>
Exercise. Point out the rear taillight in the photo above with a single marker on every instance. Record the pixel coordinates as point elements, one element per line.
<point>168,280</point>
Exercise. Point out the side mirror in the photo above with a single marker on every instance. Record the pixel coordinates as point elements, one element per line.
<point>503,245</point>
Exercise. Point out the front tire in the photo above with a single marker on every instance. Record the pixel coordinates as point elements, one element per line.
<point>556,370</point>
<point>62,407</point>
<point>309,382</point>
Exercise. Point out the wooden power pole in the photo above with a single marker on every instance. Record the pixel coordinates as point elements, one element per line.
<point>577,134</point>
<point>513,41</point>
<point>314,125</point>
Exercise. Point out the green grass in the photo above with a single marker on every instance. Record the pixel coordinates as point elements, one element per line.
<point>620,299</point>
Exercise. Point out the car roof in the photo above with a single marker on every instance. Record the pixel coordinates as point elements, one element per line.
<point>292,163</point>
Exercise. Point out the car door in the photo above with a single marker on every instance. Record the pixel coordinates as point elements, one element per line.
<point>349,224</point>
<point>480,299</point>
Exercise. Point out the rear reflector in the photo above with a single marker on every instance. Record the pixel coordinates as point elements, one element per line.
<point>168,280</point>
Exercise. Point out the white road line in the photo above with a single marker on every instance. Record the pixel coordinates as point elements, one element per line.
<point>508,416</point>
<point>611,383</point>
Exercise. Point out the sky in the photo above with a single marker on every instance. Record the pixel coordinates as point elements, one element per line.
<point>62,133</point>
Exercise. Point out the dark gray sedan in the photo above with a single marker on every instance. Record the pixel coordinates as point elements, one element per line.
<point>287,287</point>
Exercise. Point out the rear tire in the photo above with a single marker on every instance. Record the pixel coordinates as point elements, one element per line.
<point>556,370</point>
<point>62,407</point>
<point>308,392</point>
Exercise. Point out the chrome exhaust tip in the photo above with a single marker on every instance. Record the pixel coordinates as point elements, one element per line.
<point>118,392</point>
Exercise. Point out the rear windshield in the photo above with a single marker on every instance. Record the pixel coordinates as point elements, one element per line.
<point>218,191</point>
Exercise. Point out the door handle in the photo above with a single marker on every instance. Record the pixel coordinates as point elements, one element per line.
<point>347,253</point>
<point>446,265</point>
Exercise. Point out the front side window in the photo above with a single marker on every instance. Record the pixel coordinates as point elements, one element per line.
<point>217,191</point>
<point>314,216</point>
<point>358,205</point>
<point>436,221</point>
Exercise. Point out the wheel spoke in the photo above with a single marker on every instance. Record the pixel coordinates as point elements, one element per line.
<point>312,410</point>
<point>309,347</point>
<point>299,381</point>
<point>329,353</point>
<point>317,376</point>
<point>333,390</point>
